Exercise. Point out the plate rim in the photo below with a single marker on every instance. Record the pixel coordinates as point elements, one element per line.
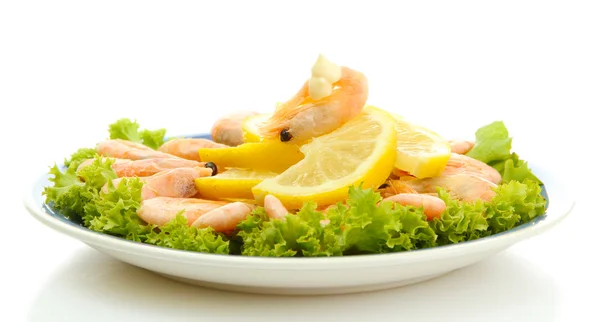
<point>562,198</point>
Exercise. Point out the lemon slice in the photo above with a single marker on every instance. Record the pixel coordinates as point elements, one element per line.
<point>232,184</point>
<point>420,151</point>
<point>251,125</point>
<point>271,155</point>
<point>361,151</point>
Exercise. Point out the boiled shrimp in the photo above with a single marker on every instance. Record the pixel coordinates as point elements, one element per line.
<point>159,211</point>
<point>145,167</point>
<point>274,208</point>
<point>225,218</point>
<point>459,163</point>
<point>462,186</point>
<point>432,206</point>
<point>123,149</point>
<point>330,98</point>
<point>464,178</point>
<point>188,148</point>
<point>228,129</point>
<point>174,183</point>
<point>461,147</point>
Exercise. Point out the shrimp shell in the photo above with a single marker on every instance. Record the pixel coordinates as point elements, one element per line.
<point>160,210</point>
<point>224,218</point>
<point>228,129</point>
<point>122,149</point>
<point>433,207</point>
<point>145,167</point>
<point>187,148</point>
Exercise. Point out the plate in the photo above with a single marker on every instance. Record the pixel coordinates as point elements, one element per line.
<point>308,276</point>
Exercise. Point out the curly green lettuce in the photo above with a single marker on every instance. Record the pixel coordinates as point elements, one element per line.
<point>370,225</point>
<point>126,129</point>
<point>515,203</point>
<point>301,234</point>
<point>79,156</point>
<point>461,221</point>
<point>68,194</point>
<point>74,188</point>
<point>177,235</point>
<point>114,211</point>
<point>365,226</point>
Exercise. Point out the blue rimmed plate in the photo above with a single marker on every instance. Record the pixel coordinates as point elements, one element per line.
<point>332,275</point>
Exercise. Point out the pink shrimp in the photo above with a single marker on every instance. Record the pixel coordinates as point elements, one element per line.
<point>146,167</point>
<point>274,208</point>
<point>303,117</point>
<point>462,186</point>
<point>225,218</point>
<point>123,149</point>
<point>461,147</point>
<point>188,148</point>
<point>459,163</point>
<point>228,129</point>
<point>174,183</point>
<point>160,210</point>
<point>433,206</point>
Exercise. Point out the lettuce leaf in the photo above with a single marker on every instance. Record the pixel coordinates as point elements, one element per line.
<point>299,234</point>
<point>68,194</point>
<point>372,226</point>
<point>515,203</point>
<point>79,156</point>
<point>126,129</point>
<point>72,190</point>
<point>98,173</point>
<point>461,221</point>
<point>514,169</point>
<point>177,235</point>
<point>492,143</point>
<point>114,211</point>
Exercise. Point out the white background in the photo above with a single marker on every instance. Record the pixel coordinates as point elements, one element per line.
<point>70,68</point>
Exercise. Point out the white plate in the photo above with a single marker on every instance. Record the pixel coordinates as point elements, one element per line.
<point>332,275</point>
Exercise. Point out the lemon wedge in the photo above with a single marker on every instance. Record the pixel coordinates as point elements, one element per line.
<point>271,155</point>
<point>362,151</point>
<point>232,184</point>
<point>420,151</point>
<point>251,125</point>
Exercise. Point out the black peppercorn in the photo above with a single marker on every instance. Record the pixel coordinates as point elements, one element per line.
<point>211,166</point>
<point>285,135</point>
